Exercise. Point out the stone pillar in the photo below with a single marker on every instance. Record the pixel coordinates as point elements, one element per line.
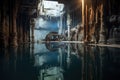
<point>83,18</point>
<point>21,34</point>
<point>28,30</point>
<point>32,33</point>
<point>18,30</point>
<point>76,34</point>
<point>27,35</point>
<point>96,32</point>
<point>32,30</point>
<point>81,28</point>
<point>86,24</point>
<point>92,25</point>
<point>21,30</point>
<point>68,25</point>
<point>63,24</point>
<point>102,30</point>
<point>24,32</point>
<point>13,26</point>
<point>60,25</point>
<point>95,22</point>
<point>3,41</point>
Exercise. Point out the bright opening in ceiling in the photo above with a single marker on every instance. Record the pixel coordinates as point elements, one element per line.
<point>50,8</point>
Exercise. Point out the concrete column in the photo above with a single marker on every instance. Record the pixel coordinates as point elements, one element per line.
<point>102,30</point>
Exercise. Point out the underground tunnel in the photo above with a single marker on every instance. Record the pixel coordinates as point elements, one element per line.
<point>59,40</point>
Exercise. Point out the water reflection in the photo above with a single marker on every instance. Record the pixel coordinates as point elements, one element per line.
<point>59,61</point>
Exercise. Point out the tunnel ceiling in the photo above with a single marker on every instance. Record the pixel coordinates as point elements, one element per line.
<point>28,7</point>
<point>73,7</point>
<point>69,3</point>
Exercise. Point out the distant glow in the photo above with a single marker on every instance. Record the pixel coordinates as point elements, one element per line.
<point>47,9</point>
<point>45,27</point>
<point>50,4</point>
<point>52,8</point>
<point>50,25</point>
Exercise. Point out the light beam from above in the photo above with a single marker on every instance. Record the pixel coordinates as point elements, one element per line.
<point>51,8</point>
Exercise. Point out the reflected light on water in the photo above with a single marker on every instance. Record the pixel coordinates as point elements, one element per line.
<point>59,61</point>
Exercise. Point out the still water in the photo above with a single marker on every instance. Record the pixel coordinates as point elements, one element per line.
<point>59,61</point>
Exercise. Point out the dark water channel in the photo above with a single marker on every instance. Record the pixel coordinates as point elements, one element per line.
<point>59,61</point>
